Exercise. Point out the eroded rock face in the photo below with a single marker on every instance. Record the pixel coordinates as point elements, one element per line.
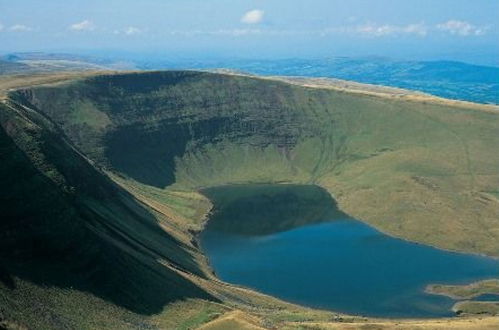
<point>140,124</point>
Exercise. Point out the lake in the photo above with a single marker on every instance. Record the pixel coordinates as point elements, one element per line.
<point>292,242</point>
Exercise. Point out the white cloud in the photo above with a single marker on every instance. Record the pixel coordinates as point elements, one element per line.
<point>20,28</point>
<point>420,29</point>
<point>85,25</point>
<point>370,29</point>
<point>453,27</point>
<point>222,32</point>
<point>374,30</point>
<point>131,30</point>
<point>461,28</point>
<point>377,30</point>
<point>241,32</point>
<point>254,16</point>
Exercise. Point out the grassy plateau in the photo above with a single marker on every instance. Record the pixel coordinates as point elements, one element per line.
<point>101,177</point>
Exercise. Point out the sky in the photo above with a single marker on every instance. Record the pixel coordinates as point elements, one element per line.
<point>462,30</point>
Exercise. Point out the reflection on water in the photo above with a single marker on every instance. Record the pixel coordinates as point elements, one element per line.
<point>292,242</point>
<point>266,209</point>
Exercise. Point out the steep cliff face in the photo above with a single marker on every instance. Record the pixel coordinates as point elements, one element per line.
<point>141,124</point>
<point>65,225</point>
<point>102,173</point>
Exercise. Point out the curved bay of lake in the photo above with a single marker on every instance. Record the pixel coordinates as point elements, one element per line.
<point>292,242</point>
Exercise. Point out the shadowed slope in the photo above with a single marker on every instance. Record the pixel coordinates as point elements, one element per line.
<point>139,123</point>
<point>65,225</point>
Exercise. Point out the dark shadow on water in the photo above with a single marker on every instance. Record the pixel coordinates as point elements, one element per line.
<point>263,209</point>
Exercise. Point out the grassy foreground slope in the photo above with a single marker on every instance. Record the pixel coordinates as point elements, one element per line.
<point>423,171</point>
<point>66,228</point>
<point>100,178</point>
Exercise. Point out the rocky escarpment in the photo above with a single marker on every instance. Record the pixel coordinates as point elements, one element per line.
<point>138,124</point>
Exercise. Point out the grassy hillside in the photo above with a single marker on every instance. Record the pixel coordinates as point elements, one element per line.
<point>68,235</point>
<point>422,171</point>
<point>100,179</point>
<point>7,67</point>
<point>39,62</point>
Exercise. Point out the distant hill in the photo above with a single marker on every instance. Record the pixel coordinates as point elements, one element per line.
<point>447,79</point>
<point>34,62</point>
<point>7,67</point>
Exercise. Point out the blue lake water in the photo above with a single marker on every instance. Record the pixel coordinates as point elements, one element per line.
<point>487,297</point>
<point>316,256</point>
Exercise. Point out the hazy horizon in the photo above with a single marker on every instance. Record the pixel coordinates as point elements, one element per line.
<point>414,30</point>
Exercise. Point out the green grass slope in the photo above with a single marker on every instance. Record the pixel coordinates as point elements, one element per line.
<point>100,179</point>
<point>419,170</point>
<point>72,242</point>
